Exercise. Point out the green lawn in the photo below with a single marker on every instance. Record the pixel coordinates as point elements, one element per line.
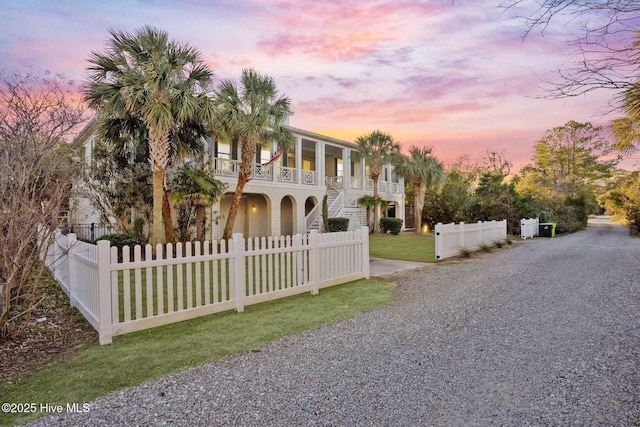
<point>142,356</point>
<point>404,246</point>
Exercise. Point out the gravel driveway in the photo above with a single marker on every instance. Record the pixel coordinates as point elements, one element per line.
<point>542,333</point>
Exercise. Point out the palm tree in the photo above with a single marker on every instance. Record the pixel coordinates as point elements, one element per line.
<point>377,149</point>
<point>250,116</point>
<point>162,82</point>
<point>626,130</point>
<point>423,171</point>
<point>196,187</point>
<point>368,202</point>
<point>128,138</point>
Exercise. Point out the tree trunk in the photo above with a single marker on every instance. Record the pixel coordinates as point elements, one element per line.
<point>159,148</point>
<point>157,229</point>
<point>369,218</point>
<point>376,206</point>
<point>200,223</point>
<point>233,210</point>
<point>246,166</point>
<point>166,218</point>
<point>419,190</point>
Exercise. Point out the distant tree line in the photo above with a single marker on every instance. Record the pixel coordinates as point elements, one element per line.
<point>566,181</point>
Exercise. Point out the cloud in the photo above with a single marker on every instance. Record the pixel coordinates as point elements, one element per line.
<point>344,31</point>
<point>390,112</point>
<point>456,74</point>
<point>392,57</point>
<point>429,86</point>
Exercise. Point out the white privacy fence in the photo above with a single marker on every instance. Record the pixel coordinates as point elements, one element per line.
<point>453,238</point>
<point>74,265</point>
<point>529,227</point>
<point>134,289</point>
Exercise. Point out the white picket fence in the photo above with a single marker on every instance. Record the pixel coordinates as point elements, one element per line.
<point>529,227</point>
<point>453,238</point>
<point>125,291</point>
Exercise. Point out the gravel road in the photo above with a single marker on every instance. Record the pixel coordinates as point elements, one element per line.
<point>545,332</point>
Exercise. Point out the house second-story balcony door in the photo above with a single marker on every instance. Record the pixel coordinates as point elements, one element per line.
<point>225,159</point>
<point>262,168</point>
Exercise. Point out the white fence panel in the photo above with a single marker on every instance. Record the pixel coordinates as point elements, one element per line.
<point>341,257</point>
<point>84,281</point>
<point>529,227</point>
<point>74,266</point>
<point>453,238</point>
<point>179,283</point>
<point>57,260</point>
<point>52,259</point>
<point>134,289</point>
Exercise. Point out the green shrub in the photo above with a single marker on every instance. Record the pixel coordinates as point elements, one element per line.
<point>119,240</point>
<point>464,253</point>
<point>138,231</point>
<point>485,248</point>
<point>392,225</point>
<point>325,214</point>
<point>338,224</point>
<point>633,219</point>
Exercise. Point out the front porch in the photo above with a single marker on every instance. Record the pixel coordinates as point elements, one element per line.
<point>297,181</point>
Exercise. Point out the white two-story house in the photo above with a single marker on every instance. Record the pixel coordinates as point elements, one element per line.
<point>284,197</point>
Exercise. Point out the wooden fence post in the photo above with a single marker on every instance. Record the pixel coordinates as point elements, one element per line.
<point>105,329</point>
<point>314,262</point>
<point>239,287</point>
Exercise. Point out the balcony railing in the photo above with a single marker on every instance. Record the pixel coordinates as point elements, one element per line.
<point>264,173</point>
<point>356,183</point>
<point>309,177</point>
<point>225,167</point>
<point>288,175</point>
<point>335,182</point>
<point>230,168</point>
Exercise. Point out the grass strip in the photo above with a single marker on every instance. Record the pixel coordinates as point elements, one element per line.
<point>404,246</point>
<point>146,355</point>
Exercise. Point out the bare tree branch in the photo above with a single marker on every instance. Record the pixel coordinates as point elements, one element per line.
<point>36,171</point>
<point>606,56</point>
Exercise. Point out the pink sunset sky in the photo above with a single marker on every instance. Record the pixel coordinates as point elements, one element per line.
<point>455,76</point>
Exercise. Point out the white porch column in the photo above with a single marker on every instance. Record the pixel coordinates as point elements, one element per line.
<point>320,169</point>
<point>299,223</point>
<point>276,226</point>
<point>346,167</point>
<point>363,174</point>
<point>274,166</point>
<point>299,159</point>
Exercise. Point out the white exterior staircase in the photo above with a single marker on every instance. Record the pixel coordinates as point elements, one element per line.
<point>335,203</point>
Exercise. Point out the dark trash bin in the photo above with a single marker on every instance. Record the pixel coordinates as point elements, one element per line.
<point>547,229</point>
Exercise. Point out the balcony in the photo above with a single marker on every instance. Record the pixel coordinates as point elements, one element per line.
<point>226,168</point>
<point>230,169</point>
